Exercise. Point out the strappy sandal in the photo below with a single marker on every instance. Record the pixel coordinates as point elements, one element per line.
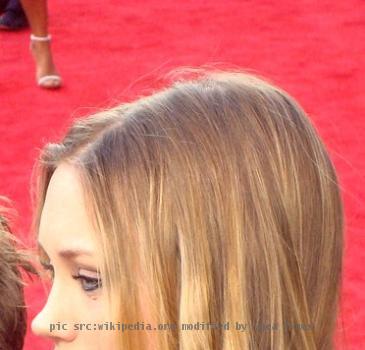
<point>55,77</point>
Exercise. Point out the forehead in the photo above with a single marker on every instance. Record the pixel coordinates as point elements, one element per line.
<point>64,217</point>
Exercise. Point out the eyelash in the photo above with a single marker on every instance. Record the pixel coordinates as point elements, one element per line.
<point>97,283</point>
<point>48,268</point>
<point>84,280</point>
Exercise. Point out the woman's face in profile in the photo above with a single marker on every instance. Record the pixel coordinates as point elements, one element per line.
<point>76,303</point>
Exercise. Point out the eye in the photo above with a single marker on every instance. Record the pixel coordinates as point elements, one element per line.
<point>49,269</point>
<point>88,284</point>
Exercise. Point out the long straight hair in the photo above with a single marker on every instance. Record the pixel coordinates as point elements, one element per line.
<point>215,201</point>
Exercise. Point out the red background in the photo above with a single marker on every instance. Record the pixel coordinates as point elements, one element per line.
<point>111,51</point>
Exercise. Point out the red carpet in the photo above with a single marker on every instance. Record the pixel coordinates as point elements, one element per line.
<point>114,50</point>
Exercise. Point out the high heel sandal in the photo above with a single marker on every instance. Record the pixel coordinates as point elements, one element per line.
<point>55,77</point>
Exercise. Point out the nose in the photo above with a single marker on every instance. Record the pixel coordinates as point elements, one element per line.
<point>51,322</point>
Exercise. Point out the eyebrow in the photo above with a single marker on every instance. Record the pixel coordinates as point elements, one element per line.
<point>69,253</point>
<point>73,253</point>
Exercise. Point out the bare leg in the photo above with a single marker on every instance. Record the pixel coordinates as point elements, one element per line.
<point>37,14</point>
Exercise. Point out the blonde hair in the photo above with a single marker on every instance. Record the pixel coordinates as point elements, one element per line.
<point>218,194</point>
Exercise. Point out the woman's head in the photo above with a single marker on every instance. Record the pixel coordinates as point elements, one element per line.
<point>213,200</point>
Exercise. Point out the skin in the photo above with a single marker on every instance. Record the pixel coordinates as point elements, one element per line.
<point>37,14</point>
<point>65,226</point>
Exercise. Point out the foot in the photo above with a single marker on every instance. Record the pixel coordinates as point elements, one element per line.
<point>3,4</point>
<point>42,55</point>
<point>11,20</point>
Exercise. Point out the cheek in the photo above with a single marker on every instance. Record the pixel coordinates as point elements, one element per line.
<point>94,312</point>
<point>96,309</point>
<point>98,340</point>
<point>107,340</point>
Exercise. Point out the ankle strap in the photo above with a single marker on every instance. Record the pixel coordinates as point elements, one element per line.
<point>40,38</point>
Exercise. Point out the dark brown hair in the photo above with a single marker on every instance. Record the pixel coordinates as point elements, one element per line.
<point>13,320</point>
